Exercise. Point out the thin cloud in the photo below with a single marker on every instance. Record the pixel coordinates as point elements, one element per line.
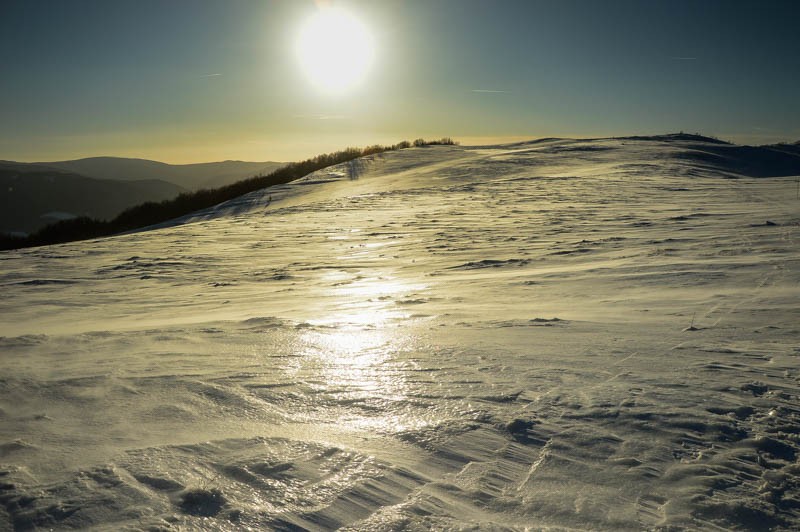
<point>490,91</point>
<point>210,75</point>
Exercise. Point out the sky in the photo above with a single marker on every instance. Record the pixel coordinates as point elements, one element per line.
<point>185,81</point>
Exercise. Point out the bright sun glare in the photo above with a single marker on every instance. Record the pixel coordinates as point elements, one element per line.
<point>335,50</point>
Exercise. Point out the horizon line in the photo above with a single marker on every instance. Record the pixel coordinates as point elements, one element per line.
<point>465,140</point>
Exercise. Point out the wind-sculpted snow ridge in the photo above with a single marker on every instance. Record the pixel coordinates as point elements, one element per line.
<point>583,335</point>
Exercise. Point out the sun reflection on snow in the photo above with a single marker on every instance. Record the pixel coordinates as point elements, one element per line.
<point>366,301</point>
<point>354,355</point>
<point>356,368</point>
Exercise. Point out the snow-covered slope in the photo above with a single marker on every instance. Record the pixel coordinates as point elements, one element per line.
<point>558,334</point>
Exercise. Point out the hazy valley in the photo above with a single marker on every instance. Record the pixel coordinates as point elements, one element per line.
<point>33,195</point>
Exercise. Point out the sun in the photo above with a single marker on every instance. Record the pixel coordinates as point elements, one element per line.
<point>335,50</point>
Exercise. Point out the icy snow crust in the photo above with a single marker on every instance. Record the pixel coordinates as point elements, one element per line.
<point>558,334</point>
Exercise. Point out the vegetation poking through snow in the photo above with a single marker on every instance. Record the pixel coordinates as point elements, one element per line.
<point>444,141</point>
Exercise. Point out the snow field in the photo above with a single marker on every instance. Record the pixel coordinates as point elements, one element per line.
<point>559,334</point>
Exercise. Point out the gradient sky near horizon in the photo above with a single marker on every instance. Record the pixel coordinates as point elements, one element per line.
<point>202,80</point>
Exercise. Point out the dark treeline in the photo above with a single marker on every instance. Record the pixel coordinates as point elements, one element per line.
<point>152,213</point>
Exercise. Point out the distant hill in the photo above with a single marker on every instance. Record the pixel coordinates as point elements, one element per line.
<point>691,137</point>
<point>788,148</point>
<point>32,196</point>
<point>188,176</point>
<point>753,161</point>
<point>149,214</point>
<point>770,160</point>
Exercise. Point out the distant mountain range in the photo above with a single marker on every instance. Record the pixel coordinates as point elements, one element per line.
<point>188,176</point>
<point>33,195</point>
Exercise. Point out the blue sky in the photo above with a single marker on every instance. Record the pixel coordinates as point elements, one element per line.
<point>201,80</point>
